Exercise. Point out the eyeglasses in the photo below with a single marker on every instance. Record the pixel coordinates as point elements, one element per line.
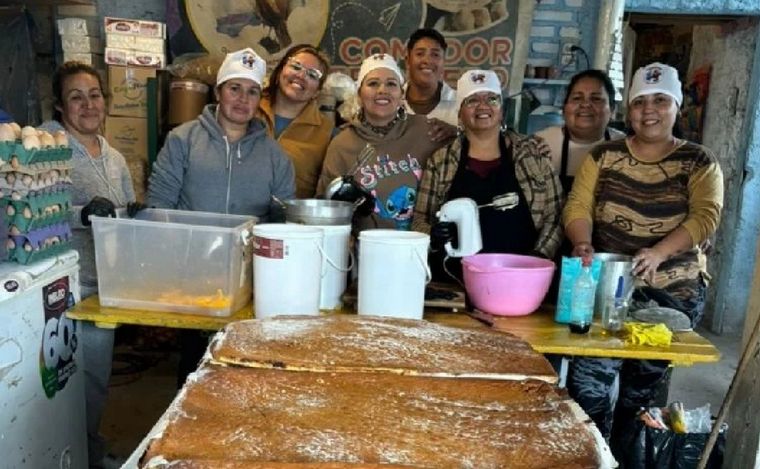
<point>493,100</point>
<point>312,73</point>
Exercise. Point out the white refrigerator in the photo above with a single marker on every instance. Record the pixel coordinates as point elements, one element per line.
<point>42,412</point>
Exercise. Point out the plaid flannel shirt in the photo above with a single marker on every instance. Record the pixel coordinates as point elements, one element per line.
<point>533,168</point>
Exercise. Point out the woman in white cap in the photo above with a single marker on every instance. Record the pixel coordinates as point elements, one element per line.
<point>654,197</point>
<point>486,163</point>
<point>290,110</point>
<point>401,146</point>
<point>222,162</point>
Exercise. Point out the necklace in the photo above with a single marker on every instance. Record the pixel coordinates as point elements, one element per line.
<point>104,178</point>
<point>379,129</point>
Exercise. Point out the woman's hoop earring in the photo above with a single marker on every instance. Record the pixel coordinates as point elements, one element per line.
<point>401,113</point>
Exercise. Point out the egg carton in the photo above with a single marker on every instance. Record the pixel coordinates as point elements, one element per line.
<point>21,194</point>
<point>36,211</point>
<point>14,154</point>
<point>36,179</point>
<point>38,244</point>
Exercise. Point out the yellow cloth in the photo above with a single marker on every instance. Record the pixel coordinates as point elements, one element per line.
<point>640,333</point>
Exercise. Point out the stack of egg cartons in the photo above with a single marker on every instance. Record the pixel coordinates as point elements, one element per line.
<point>35,196</point>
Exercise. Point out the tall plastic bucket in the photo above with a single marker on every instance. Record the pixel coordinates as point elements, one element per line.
<point>393,271</point>
<point>335,266</point>
<point>614,266</point>
<point>287,269</point>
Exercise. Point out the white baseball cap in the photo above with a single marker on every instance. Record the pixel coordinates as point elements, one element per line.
<point>656,78</point>
<point>379,61</point>
<point>244,63</point>
<point>476,81</point>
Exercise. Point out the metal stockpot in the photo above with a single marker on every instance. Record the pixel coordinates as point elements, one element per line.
<point>318,212</point>
<point>614,266</point>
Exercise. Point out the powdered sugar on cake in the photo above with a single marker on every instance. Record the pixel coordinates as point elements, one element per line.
<point>350,343</point>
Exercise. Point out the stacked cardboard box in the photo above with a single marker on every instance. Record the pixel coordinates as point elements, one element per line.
<point>135,42</point>
<point>80,35</point>
<point>134,51</point>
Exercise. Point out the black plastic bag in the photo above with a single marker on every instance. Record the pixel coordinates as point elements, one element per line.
<point>663,449</point>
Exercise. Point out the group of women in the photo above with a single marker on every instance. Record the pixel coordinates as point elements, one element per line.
<point>650,194</point>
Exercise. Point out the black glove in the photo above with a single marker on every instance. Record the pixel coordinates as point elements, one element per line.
<point>134,207</point>
<point>443,232</point>
<point>367,207</point>
<point>352,191</point>
<point>98,206</point>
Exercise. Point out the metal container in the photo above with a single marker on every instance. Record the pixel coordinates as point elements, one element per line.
<point>614,266</point>
<point>318,212</point>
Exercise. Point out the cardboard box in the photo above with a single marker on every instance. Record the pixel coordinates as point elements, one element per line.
<point>81,44</point>
<point>137,43</point>
<point>128,90</point>
<point>94,60</point>
<point>135,27</point>
<point>129,135</point>
<point>78,10</point>
<point>78,27</point>
<point>133,57</point>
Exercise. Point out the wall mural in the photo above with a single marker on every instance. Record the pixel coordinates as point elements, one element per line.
<point>480,33</point>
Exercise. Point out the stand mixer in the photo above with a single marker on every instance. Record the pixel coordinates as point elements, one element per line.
<point>464,213</point>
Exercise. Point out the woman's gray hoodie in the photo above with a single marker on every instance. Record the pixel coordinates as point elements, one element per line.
<point>198,169</point>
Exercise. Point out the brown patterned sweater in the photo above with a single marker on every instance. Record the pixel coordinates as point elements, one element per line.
<point>633,204</point>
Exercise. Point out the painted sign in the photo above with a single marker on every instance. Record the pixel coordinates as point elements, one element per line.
<point>60,338</point>
<point>479,33</point>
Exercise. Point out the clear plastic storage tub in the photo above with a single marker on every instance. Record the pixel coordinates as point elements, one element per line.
<point>173,260</point>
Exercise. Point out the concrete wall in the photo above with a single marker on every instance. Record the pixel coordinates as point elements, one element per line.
<point>728,110</point>
<point>695,7</point>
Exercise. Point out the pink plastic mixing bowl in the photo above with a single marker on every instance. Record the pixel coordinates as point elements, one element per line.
<point>507,284</point>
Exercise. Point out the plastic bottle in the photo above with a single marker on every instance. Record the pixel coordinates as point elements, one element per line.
<point>582,305</point>
<point>615,310</point>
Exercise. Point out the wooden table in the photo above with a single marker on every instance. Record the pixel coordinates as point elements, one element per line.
<point>538,329</point>
<point>90,309</point>
<point>547,336</point>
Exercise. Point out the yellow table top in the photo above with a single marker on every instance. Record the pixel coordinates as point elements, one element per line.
<point>538,329</point>
<point>90,309</point>
<point>547,336</point>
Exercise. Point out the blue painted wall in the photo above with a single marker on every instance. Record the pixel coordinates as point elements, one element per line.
<point>152,10</point>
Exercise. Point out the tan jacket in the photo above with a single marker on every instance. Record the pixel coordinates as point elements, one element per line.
<point>305,141</point>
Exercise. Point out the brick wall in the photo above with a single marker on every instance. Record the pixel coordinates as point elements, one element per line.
<point>557,22</point>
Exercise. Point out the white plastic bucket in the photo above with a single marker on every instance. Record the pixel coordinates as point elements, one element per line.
<point>393,271</point>
<point>287,269</point>
<point>335,265</point>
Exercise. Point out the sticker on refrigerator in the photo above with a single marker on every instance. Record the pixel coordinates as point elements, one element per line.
<point>60,338</point>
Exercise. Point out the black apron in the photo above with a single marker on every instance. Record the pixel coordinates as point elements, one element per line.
<point>504,231</point>
<point>566,179</point>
